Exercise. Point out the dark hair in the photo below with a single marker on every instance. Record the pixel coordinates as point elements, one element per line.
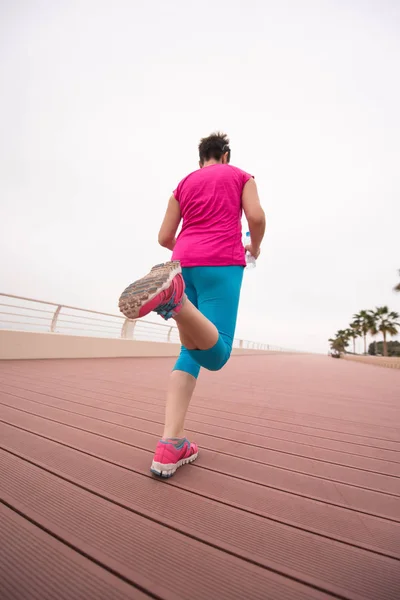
<point>214,147</point>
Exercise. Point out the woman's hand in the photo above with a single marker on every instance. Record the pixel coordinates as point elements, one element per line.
<point>255,252</point>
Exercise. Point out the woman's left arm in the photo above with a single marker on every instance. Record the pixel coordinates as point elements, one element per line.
<point>170,224</point>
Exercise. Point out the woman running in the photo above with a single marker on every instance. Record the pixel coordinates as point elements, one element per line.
<point>200,288</point>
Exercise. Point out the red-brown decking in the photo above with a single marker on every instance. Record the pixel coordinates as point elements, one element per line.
<point>295,495</point>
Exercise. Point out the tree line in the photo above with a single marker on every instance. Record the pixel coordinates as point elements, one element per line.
<point>373,322</point>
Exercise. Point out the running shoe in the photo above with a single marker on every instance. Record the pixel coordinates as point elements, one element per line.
<point>172,454</point>
<point>162,291</point>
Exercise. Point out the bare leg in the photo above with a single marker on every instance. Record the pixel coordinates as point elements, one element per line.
<point>195,330</point>
<point>185,339</point>
<point>196,333</point>
<point>180,390</point>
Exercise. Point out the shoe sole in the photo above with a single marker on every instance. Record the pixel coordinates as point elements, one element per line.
<point>142,291</point>
<point>165,471</point>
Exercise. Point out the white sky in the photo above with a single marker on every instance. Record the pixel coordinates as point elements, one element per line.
<point>102,104</point>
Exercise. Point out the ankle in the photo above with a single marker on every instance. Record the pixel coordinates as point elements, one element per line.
<point>173,299</point>
<point>173,435</point>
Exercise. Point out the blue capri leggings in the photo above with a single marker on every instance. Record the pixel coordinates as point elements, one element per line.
<point>215,291</point>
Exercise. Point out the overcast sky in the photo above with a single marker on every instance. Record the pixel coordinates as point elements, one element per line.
<point>102,105</point>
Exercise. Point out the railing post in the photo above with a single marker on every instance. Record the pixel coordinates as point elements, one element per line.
<point>128,329</point>
<point>124,328</point>
<point>169,334</point>
<point>240,343</point>
<point>55,318</point>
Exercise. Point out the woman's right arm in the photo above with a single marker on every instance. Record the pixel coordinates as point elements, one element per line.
<point>255,216</point>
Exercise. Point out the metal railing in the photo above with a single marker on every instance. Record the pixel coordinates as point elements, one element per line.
<point>29,314</point>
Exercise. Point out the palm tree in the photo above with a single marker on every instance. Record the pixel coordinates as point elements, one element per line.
<point>336,345</point>
<point>333,344</point>
<point>353,333</point>
<point>363,321</point>
<point>385,322</point>
<point>356,328</point>
<point>397,287</point>
<point>340,342</point>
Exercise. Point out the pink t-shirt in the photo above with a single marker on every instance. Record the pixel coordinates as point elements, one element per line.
<point>210,200</point>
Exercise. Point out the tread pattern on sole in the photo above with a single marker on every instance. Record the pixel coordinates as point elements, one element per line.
<point>141,291</point>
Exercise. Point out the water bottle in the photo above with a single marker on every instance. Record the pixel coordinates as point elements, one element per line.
<point>250,260</point>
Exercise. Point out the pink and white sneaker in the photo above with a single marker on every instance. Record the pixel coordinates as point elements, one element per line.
<point>171,454</point>
<point>162,291</point>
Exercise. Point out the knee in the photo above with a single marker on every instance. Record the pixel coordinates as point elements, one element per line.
<point>219,364</point>
<point>214,358</point>
<point>216,367</point>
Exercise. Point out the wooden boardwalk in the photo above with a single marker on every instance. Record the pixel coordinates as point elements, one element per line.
<point>295,495</point>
